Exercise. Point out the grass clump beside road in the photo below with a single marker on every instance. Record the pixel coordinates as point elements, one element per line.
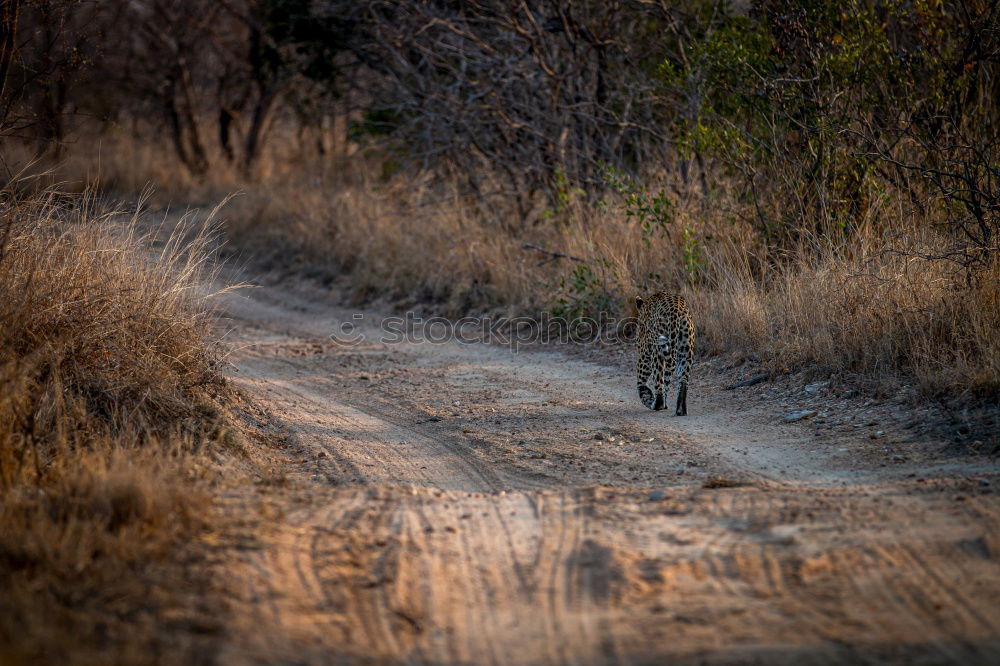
<point>109,397</point>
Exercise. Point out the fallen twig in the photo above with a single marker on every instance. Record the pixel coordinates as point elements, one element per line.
<point>554,255</point>
<point>749,382</point>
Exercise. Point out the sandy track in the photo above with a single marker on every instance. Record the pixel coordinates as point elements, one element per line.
<point>464,504</point>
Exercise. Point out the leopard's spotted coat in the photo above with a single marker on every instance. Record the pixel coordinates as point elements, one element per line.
<point>665,338</point>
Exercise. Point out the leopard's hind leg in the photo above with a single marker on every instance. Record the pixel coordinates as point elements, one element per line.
<point>665,368</point>
<point>682,402</point>
<point>659,378</point>
<point>685,352</point>
<point>648,383</point>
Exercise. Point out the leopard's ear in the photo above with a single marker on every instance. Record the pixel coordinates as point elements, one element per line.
<point>638,302</point>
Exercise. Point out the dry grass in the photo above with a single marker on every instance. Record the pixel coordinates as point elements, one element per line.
<point>108,396</point>
<point>884,316</point>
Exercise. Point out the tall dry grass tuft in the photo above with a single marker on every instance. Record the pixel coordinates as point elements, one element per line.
<point>884,315</point>
<point>108,395</point>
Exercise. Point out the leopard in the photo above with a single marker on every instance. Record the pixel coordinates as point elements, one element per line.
<point>665,339</point>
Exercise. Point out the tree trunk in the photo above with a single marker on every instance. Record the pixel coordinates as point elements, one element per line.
<point>8,28</point>
<point>258,130</point>
<point>184,132</point>
<point>226,118</point>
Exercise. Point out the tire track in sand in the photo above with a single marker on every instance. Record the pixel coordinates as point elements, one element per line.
<point>453,543</point>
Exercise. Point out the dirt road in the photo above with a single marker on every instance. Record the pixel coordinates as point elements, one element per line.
<point>462,504</point>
